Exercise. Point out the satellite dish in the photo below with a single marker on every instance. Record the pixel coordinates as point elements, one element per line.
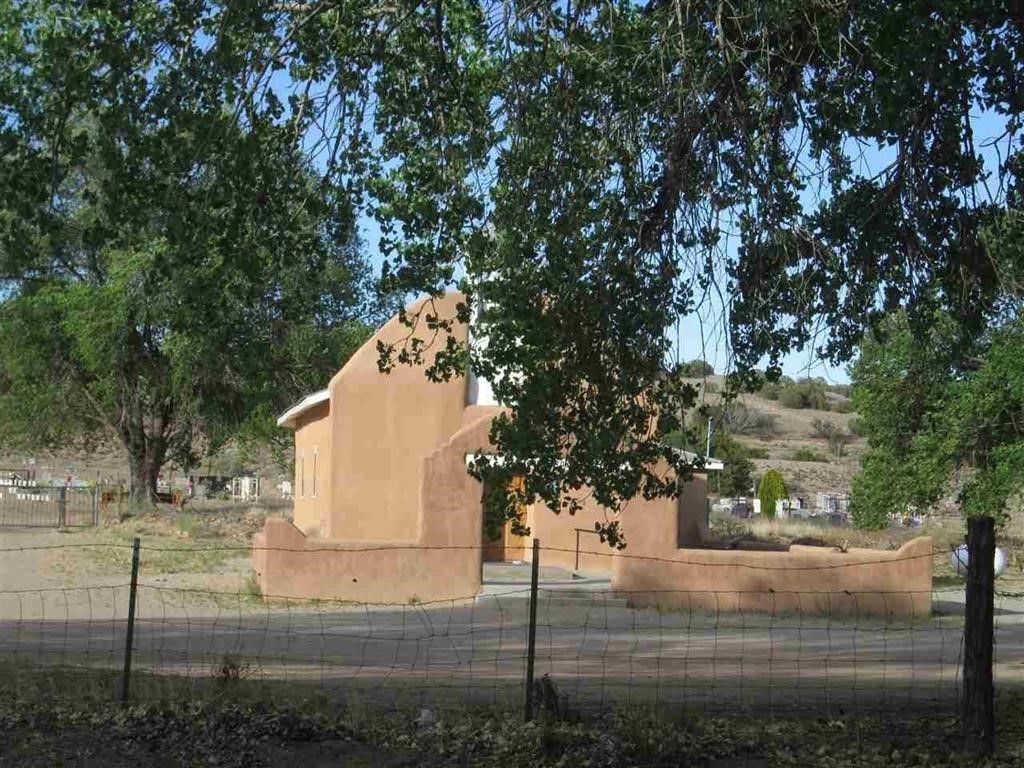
<point>960,558</point>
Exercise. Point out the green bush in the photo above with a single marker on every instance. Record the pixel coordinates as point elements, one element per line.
<point>770,390</point>
<point>856,426</point>
<point>696,369</point>
<point>806,454</point>
<point>806,393</point>
<point>771,488</point>
<point>737,475</point>
<point>842,406</point>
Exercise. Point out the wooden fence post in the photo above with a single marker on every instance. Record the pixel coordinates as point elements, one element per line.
<point>129,639</point>
<point>978,705</point>
<point>531,638</point>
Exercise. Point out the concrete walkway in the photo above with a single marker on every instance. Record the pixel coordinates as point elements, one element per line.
<point>514,578</point>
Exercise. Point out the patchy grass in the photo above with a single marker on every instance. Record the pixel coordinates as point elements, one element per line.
<point>160,555</point>
<point>171,542</point>
<point>251,588</point>
<point>806,454</point>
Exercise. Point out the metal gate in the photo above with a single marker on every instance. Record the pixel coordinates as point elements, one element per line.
<point>40,506</point>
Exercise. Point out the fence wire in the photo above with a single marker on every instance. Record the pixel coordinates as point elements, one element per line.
<point>595,648</point>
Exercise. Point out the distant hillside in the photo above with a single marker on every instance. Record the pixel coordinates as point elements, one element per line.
<point>108,463</point>
<point>791,430</point>
<point>796,432</point>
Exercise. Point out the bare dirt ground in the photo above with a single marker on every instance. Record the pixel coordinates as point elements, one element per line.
<point>206,549</point>
<point>63,601</point>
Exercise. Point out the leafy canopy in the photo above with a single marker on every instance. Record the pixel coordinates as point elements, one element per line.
<point>591,171</point>
<point>944,419</point>
<point>596,170</point>
<point>172,272</point>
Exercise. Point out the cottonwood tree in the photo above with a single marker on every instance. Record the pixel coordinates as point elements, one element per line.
<point>945,418</point>
<point>592,170</point>
<point>172,272</point>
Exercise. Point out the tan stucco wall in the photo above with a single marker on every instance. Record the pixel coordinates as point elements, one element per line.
<point>382,427</point>
<point>289,564</point>
<point>443,563</point>
<point>312,437</point>
<point>557,533</point>
<point>653,572</point>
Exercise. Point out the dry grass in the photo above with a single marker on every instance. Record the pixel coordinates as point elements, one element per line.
<point>172,542</point>
<point>945,532</point>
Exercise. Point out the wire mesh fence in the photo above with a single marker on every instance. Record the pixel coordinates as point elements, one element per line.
<point>593,648</point>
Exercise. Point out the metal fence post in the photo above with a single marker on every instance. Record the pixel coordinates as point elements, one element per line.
<point>531,638</point>
<point>62,507</point>
<point>978,711</point>
<point>126,672</point>
<point>96,505</point>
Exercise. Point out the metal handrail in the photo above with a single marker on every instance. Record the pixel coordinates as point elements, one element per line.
<point>578,532</point>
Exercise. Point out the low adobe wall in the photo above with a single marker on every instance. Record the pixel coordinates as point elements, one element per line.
<point>440,560</point>
<point>290,564</point>
<point>654,571</point>
<point>811,580</point>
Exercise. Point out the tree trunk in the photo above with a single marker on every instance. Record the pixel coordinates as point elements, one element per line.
<point>146,456</point>
<point>978,711</point>
<point>143,473</point>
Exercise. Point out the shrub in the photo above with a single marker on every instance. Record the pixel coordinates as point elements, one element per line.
<point>836,436</point>
<point>737,475</point>
<point>739,419</point>
<point>856,426</point>
<point>771,488</point>
<point>806,454</point>
<point>824,429</point>
<point>806,393</point>
<point>727,527</point>
<point>696,369</point>
<point>187,525</point>
<point>251,587</point>
<point>770,390</point>
<point>842,406</point>
<point>876,493</point>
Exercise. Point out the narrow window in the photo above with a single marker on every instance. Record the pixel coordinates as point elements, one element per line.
<point>302,475</point>
<point>316,455</point>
